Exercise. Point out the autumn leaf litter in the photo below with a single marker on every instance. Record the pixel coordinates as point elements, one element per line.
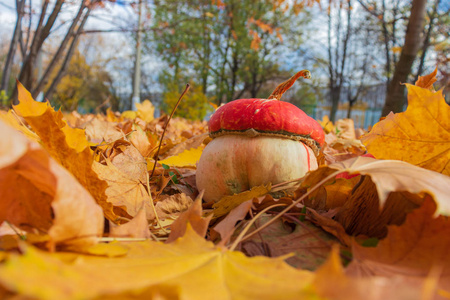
<point>361,223</point>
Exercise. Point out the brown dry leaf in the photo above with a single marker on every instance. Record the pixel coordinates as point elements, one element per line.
<point>420,135</point>
<point>332,283</point>
<point>192,216</point>
<point>414,249</point>
<point>307,245</point>
<point>393,175</point>
<point>427,81</point>
<point>98,131</point>
<point>346,129</point>
<point>171,206</point>
<point>66,145</point>
<point>139,139</point>
<point>37,194</point>
<point>361,213</point>
<point>124,192</point>
<point>127,159</point>
<point>331,195</point>
<point>339,149</point>
<point>226,227</point>
<point>137,228</point>
<point>191,267</point>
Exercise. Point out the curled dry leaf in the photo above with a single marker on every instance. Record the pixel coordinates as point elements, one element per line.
<point>420,135</point>
<point>193,217</point>
<point>339,149</point>
<point>392,175</point>
<point>68,146</point>
<point>139,139</point>
<point>38,195</point>
<point>171,206</point>
<point>226,227</point>
<point>413,250</point>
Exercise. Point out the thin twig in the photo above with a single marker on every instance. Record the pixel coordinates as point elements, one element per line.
<point>241,236</point>
<point>165,128</point>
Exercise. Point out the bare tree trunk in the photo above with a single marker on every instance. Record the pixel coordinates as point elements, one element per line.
<point>12,47</point>
<point>426,42</point>
<point>396,92</point>
<point>26,76</point>
<point>70,52</point>
<point>56,58</point>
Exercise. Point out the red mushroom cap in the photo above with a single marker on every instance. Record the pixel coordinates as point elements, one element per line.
<point>266,117</point>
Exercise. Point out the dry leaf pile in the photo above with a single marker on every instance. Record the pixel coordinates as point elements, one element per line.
<point>91,209</point>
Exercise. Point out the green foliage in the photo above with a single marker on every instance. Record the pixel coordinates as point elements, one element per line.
<point>306,98</point>
<point>229,50</point>
<point>85,86</point>
<point>193,106</point>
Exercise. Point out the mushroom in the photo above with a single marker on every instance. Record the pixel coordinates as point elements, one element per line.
<point>257,141</point>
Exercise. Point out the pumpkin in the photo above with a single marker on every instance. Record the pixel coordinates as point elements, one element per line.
<point>257,141</point>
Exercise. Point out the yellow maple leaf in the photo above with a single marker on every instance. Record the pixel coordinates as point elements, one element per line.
<point>228,203</point>
<point>192,267</point>
<point>187,158</point>
<point>420,135</point>
<point>66,145</point>
<point>13,121</point>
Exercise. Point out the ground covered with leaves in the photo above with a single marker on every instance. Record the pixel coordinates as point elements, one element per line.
<point>97,206</point>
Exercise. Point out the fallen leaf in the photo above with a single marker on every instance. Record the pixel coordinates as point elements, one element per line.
<point>171,206</point>
<point>346,128</point>
<point>146,111</point>
<point>68,146</point>
<point>226,227</point>
<point>326,124</point>
<point>308,246</point>
<point>139,139</point>
<point>188,158</point>
<point>192,217</point>
<point>412,249</point>
<point>393,175</point>
<point>138,227</point>
<point>98,131</point>
<point>124,192</point>
<point>228,203</point>
<point>38,194</point>
<point>14,121</point>
<point>193,142</point>
<point>191,266</point>
<point>420,135</point>
<point>331,282</point>
<point>427,81</point>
